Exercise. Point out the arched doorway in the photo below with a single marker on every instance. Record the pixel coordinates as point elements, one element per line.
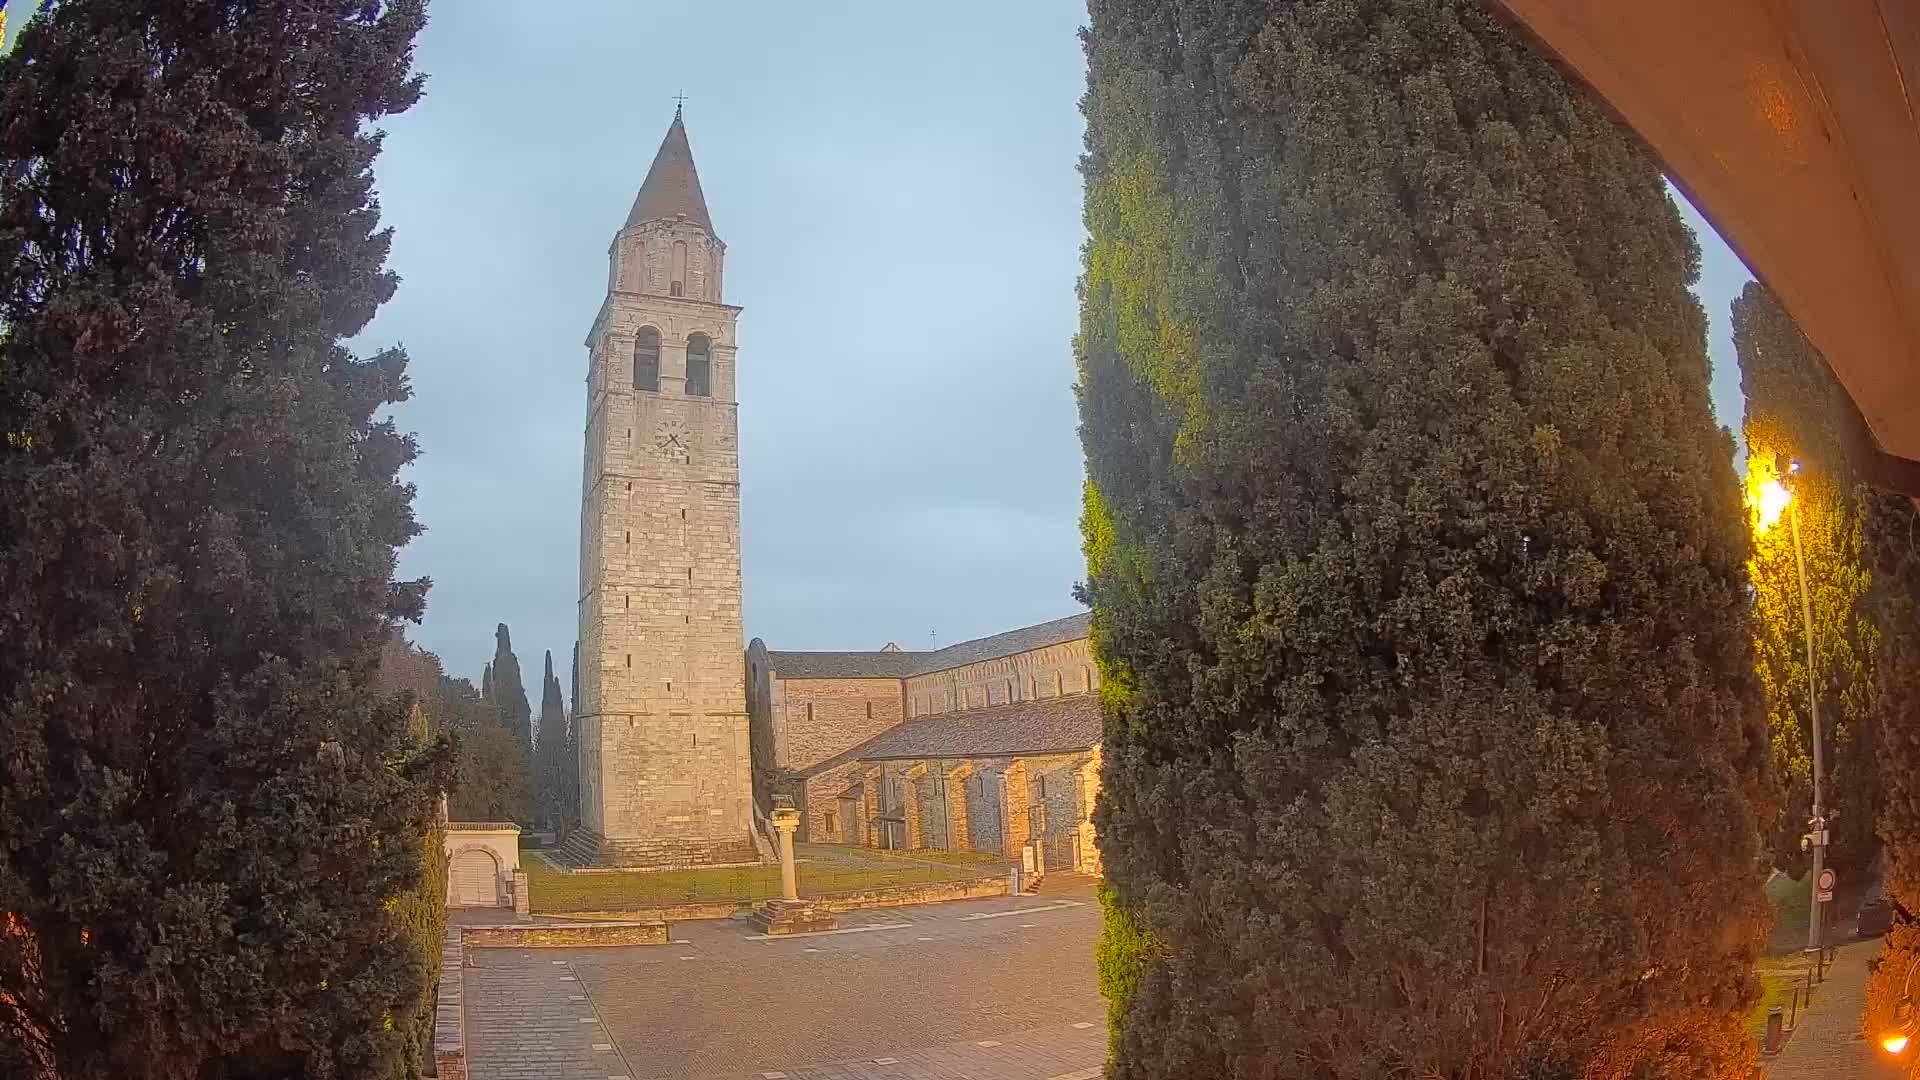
<point>474,878</point>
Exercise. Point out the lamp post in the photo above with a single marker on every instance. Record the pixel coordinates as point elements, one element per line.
<point>1774,497</point>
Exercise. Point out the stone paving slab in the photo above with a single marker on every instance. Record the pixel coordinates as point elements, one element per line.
<point>529,1018</point>
<point>1827,1042</point>
<point>1000,988</point>
<point>1058,1052</point>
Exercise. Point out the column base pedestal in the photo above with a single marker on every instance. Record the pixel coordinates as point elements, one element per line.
<point>777,917</point>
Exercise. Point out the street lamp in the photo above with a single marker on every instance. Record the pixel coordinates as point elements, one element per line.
<point>1773,498</point>
<point>1894,1040</point>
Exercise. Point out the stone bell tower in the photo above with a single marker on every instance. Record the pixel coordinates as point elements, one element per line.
<point>663,720</point>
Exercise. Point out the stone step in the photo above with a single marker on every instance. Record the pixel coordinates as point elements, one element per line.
<point>585,850</point>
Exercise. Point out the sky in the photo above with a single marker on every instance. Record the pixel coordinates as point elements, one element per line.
<point>897,187</point>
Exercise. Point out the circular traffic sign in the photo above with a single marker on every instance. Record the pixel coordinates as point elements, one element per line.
<point>1827,880</point>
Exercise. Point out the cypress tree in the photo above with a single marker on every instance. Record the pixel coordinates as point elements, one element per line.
<point>1800,428</point>
<point>486,683</point>
<point>552,750</point>
<point>213,817</point>
<point>571,765</point>
<point>509,693</point>
<point>1433,744</point>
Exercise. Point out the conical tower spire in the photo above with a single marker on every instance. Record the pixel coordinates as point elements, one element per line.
<point>672,187</point>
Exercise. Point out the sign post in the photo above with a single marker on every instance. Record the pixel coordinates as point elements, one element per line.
<point>1823,888</point>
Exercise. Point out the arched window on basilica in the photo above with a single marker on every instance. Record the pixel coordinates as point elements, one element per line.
<point>646,360</point>
<point>699,366</point>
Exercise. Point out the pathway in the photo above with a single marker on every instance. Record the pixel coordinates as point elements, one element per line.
<point>1827,1043</point>
<point>1000,988</point>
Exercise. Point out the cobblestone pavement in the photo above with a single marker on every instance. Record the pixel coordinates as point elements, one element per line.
<point>1000,989</point>
<point>1827,1043</point>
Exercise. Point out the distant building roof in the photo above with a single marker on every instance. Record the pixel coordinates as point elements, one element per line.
<point>1023,727</point>
<point>672,187</point>
<point>892,663</point>
<point>842,665</point>
<point>1025,639</point>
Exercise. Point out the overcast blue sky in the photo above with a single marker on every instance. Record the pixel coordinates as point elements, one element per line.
<point>896,185</point>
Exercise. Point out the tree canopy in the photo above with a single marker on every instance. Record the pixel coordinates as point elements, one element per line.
<point>1797,433</point>
<point>508,693</point>
<point>1433,744</point>
<point>214,817</point>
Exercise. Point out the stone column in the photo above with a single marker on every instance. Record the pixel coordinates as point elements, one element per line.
<point>785,821</point>
<point>911,805</point>
<point>870,805</point>
<point>1013,802</point>
<point>959,832</point>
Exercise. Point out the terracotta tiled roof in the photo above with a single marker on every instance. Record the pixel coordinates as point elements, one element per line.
<point>672,187</point>
<point>842,665</point>
<point>1023,727</point>
<point>894,664</point>
<point>1025,639</point>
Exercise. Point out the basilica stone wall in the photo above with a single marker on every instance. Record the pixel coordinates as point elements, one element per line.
<point>814,719</point>
<point>1054,671</point>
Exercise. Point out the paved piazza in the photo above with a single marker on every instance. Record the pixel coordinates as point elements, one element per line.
<point>1000,988</point>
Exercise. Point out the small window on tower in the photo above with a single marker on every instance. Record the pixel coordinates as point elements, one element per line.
<point>646,361</point>
<point>679,278</point>
<point>699,366</point>
<point>869,710</point>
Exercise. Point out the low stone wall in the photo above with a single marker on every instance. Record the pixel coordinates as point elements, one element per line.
<point>930,893</point>
<point>887,896</point>
<point>566,935</point>
<point>673,913</point>
<point>449,1010</point>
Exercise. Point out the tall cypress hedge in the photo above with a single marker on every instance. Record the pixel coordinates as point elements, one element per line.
<point>1433,743</point>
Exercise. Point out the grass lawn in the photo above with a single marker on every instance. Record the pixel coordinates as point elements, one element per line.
<point>824,870</point>
<point>1790,902</point>
<point>1778,976</point>
<point>1785,965</point>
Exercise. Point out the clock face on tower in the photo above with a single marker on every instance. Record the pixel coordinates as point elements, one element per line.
<point>670,438</point>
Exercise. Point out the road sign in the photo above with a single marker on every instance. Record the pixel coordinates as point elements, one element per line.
<point>1823,888</point>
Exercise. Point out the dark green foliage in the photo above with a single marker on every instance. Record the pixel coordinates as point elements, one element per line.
<point>1797,412</point>
<point>1417,561</point>
<point>486,683</point>
<point>1126,949</point>
<point>508,693</point>
<point>212,819</point>
<point>552,768</point>
<point>492,780</point>
<point>1892,528</point>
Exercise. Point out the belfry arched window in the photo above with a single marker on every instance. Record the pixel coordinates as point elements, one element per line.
<point>646,360</point>
<point>699,366</point>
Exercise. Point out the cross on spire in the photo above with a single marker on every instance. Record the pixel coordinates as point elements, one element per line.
<point>679,100</point>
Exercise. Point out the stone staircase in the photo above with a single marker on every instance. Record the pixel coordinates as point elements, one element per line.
<point>587,850</point>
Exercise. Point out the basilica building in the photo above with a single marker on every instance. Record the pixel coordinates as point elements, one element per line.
<point>988,746</point>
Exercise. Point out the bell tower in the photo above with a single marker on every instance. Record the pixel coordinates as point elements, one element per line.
<point>664,758</point>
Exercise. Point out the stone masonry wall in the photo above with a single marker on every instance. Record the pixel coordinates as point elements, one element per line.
<point>814,719</point>
<point>1066,668</point>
